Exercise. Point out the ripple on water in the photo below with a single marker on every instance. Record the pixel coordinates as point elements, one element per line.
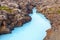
<point>34,30</point>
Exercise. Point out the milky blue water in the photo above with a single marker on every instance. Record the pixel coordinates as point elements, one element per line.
<point>34,30</point>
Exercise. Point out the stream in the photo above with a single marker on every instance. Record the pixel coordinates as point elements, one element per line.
<point>33,30</point>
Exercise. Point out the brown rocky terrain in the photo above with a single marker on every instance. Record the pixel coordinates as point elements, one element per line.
<point>13,15</point>
<point>51,9</point>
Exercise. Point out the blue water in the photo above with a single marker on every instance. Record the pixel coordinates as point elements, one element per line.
<point>34,30</point>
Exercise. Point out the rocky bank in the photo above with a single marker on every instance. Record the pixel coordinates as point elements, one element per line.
<point>13,14</point>
<point>51,9</point>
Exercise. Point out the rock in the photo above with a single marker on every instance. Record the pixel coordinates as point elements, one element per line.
<point>4,29</point>
<point>12,16</point>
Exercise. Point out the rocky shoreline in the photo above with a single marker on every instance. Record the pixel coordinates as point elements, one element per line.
<point>13,15</point>
<point>51,9</point>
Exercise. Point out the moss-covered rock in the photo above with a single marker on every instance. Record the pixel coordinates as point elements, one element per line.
<point>6,9</point>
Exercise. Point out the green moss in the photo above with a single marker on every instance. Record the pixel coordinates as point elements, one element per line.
<point>58,11</point>
<point>50,9</point>
<point>5,8</point>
